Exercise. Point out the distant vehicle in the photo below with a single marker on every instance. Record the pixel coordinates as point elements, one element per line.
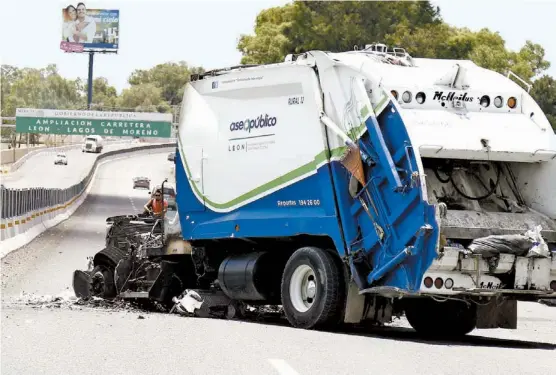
<point>92,143</point>
<point>142,181</point>
<point>61,158</point>
<point>169,195</point>
<point>172,156</point>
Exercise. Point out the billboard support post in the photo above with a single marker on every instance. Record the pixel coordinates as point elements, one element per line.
<point>90,80</point>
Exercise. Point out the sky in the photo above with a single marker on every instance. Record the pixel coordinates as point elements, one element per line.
<point>154,32</point>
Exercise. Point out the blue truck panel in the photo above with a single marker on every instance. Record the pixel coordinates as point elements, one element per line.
<point>410,231</point>
<point>263,217</point>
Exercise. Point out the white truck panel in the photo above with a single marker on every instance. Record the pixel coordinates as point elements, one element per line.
<point>441,130</point>
<point>283,100</point>
<point>511,137</point>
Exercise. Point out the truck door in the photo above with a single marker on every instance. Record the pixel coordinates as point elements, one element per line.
<point>391,232</point>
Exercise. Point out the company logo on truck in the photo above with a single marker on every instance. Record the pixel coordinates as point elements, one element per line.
<point>263,121</point>
<point>451,96</point>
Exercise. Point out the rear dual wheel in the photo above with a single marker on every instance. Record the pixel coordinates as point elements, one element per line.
<point>441,319</point>
<point>313,289</point>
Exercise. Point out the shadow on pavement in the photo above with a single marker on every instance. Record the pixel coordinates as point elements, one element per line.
<point>408,334</point>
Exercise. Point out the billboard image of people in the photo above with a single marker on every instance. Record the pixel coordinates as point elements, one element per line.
<point>86,30</point>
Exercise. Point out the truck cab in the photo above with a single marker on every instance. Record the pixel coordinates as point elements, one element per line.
<point>92,143</point>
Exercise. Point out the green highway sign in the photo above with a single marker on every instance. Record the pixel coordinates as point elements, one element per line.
<point>116,124</point>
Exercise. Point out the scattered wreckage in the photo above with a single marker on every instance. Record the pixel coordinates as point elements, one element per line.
<point>139,266</point>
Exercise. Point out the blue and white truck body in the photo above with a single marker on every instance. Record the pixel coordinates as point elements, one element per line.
<point>348,187</point>
<point>258,165</point>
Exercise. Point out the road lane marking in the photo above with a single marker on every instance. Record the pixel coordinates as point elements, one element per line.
<point>282,367</point>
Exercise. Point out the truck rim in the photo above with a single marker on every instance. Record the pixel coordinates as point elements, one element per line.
<point>303,288</point>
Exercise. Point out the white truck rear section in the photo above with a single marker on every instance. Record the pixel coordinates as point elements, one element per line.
<point>485,159</point>
<point>459,113</point>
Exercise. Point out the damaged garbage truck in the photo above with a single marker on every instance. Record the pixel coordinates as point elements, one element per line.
<point>348,187</point>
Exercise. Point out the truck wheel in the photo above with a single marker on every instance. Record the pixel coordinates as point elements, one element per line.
<point>313,289</point>
<point>103,282</point>
<point>441,319</point>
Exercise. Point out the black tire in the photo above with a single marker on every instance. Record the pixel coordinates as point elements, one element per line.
<point>441,319</point>
<point>327,306</point>
<point>103,282</point>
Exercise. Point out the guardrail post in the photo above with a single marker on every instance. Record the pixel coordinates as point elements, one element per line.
<point>25,200</point>
<point>16,205</point>
<point>3,202</point>
<point>9,201</point>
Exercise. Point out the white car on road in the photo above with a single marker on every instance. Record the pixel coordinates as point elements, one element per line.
<point>61,158</point>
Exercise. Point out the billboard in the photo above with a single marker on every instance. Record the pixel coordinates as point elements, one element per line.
<point>112,124</point>
<point>85,30</point>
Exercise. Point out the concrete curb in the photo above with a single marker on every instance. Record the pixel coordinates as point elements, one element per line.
<point>19,231</point>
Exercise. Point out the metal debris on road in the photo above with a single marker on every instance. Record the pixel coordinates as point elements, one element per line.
<point>67,300</point>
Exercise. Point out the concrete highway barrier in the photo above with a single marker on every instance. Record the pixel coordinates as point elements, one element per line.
<point>25,213</point>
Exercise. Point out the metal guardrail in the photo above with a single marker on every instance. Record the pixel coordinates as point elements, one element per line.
<point>29,202</point>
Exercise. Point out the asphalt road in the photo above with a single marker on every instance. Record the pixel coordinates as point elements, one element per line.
<point>40,171</point>
<point>93,341</point>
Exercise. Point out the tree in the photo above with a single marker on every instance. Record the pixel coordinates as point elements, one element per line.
<point>415,26</point>
<point>146,97</point>
<point>529,62</point>
<point>105,97</point>
<point>169,77</point>
<point>37,88</point>
<point>331,26</point>
<point>544,93</point>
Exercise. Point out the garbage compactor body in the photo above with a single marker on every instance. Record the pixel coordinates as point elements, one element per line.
<point>349,186</point>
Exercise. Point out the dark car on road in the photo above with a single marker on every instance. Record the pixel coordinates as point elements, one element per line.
<point>143,182</point>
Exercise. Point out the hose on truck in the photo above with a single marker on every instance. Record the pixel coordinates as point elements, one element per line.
<point>450,179</point>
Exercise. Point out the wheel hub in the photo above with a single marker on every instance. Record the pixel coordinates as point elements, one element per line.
<point>303,288</point>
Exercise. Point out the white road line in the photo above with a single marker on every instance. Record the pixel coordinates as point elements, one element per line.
<point>282,367</point>
<point>132,204</point>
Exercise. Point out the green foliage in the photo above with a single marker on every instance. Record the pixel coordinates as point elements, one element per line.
<point>37,88</point>
<point>153,90</point>
<point>332,26</point>
<point>544,93</point>
<point>413,25</point>
<point>169,77</point>
<point>144,97</point>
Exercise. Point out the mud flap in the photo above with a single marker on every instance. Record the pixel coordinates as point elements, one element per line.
<point>82,283</point>
<point>497,314</point>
